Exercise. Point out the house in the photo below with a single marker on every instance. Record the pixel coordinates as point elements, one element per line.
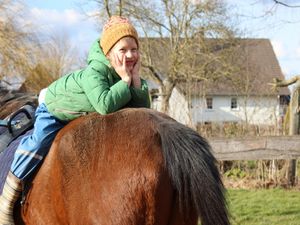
<point>246,97</point>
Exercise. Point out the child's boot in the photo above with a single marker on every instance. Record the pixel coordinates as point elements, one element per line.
<point>11,192</point>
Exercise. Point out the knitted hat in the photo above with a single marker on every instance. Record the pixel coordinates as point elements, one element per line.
<point>116,28</point>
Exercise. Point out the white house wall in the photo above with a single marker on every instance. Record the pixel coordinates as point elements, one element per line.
<point>178,108</point>
<point>260,110</point>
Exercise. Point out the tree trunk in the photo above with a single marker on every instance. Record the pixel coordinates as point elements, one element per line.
<point>166,94</point>
<point>294,129</point>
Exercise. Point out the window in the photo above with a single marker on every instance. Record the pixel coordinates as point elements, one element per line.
<point>234,104</point>
<point>284,100</point>
<point>209,103</point>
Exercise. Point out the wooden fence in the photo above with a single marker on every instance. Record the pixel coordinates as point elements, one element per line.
<point>256,148</point>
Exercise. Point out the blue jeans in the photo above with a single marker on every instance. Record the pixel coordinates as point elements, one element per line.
<point>33,148</point>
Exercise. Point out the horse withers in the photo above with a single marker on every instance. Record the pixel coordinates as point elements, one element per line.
<point>132,167</point>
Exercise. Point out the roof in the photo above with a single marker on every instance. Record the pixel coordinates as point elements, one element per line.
<point>257,65</point>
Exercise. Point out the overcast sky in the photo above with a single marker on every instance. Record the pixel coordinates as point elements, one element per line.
<point>261,19</point>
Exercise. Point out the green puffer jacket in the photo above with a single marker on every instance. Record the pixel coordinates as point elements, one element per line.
<point>96,88</point>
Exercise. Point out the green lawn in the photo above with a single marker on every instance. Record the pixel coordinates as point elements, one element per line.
<point>264,207</point>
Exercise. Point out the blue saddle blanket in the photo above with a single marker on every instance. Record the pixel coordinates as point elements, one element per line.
<point>6,158</point>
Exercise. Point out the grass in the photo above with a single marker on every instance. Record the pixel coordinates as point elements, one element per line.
<point>264,207</point>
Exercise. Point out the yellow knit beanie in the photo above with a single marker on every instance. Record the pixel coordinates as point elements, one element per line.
<point>116,28</point>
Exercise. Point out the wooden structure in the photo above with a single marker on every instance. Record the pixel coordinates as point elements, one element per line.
<point>256,148</point>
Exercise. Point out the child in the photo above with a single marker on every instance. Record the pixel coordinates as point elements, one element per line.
<point>110,82</point>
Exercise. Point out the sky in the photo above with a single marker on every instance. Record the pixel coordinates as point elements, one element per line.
<point>63,17</point>
<point>256,18</point>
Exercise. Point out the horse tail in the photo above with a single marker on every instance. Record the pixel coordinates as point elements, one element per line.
<point>193,172</point>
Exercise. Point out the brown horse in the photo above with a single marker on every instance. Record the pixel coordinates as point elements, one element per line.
<point>132,167</point>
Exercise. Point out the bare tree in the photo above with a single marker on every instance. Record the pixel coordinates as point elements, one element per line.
<point>55,57</point>
<point>182,28</point>
<point>38,61</point>
<point>16,54</point>
<point>294,118</point>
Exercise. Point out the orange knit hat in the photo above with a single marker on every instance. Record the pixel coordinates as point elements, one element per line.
<point>116,28</point>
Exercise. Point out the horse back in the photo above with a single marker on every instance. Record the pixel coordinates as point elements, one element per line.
<point>104,170</point>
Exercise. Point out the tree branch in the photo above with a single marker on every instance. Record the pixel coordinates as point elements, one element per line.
<point>155,74</point>
<point>283,83</point>
<point>286,5</point>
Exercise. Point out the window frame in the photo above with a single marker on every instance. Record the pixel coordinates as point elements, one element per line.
<point>209,103</point>
<point>234,103</point>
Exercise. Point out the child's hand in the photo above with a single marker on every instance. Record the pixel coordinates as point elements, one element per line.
<point>121,69</point>
<point>136,68</point>
<point>136,80</point>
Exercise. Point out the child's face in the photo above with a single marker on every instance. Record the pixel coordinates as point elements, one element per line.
<point>125,47</point>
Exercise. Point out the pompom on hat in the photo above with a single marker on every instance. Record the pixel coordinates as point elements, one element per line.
<point>114,29</point>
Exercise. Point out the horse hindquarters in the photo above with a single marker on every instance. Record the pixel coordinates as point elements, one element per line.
<point>84,182</point>
<point>135,168</point>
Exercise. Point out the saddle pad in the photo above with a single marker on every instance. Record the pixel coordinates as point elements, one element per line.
<point>6,158</point>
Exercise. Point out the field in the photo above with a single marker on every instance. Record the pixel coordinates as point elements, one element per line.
<point>264,207</point>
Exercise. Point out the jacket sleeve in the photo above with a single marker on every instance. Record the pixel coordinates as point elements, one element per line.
<point>104,98</point>
<point>140,96</point>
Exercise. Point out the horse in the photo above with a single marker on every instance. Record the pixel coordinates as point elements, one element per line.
<point>131,167</point>
<point>10,101</point>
